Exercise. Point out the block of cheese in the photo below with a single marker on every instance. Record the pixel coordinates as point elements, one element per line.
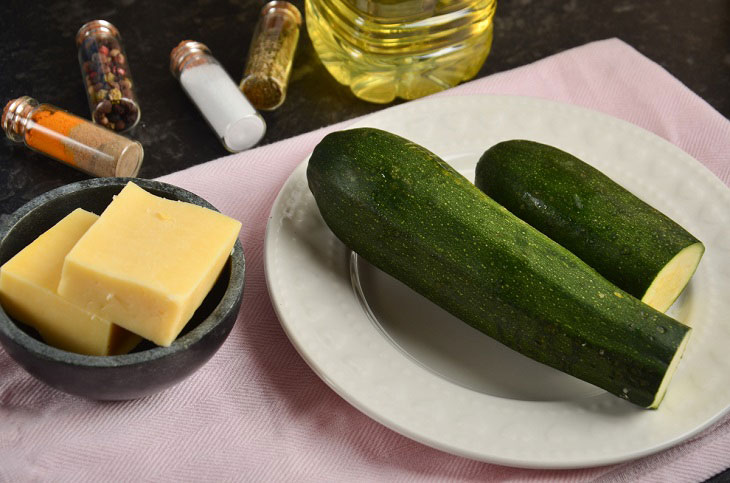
<point>148,262</point>
<point>28,284</point>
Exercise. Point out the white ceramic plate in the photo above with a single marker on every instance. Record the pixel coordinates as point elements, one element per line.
<point>419,371</point>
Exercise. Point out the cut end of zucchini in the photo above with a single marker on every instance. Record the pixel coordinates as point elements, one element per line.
<point>670,372</point>
<point>671,280</point>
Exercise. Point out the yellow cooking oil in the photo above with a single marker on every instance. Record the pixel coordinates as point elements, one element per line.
<point>385,49</point>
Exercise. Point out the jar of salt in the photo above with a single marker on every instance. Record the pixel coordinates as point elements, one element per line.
<point>217,96</point>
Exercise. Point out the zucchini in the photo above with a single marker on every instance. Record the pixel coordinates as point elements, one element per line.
<point>624,239</point>
<point>413,216</point>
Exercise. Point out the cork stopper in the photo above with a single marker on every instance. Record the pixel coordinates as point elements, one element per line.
<point>185,50</point>
<point>15,117</point>
<point>96,27</point>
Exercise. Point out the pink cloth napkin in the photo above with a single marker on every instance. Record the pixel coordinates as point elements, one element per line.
<point>256,411</point>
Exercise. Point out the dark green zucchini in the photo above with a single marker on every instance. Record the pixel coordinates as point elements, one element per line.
<point>627,241</point>
<point>409,213</point>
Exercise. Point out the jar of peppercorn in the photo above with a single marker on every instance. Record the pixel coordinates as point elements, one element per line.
<point>108,81</point>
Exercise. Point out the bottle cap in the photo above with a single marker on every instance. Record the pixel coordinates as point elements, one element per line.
<point>95,26</point>
<point>15,117</point>
<point>287,7</point>
<point>183,52</point>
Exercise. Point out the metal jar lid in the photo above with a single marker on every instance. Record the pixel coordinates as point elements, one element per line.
<point>95,27</point>
<point>184,50</point>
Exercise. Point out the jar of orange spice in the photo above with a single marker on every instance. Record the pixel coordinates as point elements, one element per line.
<point>70,139</point>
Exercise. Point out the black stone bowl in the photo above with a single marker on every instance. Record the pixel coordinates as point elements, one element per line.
<point>149,368</point>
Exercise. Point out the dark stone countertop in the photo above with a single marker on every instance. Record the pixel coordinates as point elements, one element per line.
<point>38,58</point>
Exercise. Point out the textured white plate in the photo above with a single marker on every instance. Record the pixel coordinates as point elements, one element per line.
<point>416,369</point>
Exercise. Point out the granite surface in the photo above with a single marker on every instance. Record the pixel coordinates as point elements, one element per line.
<point>38,58</point>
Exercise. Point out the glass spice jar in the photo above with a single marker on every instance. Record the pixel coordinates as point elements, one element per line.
<point>271,55</point>
<point>70,139</point>
<point>108,81</point>
<point>216,95</point>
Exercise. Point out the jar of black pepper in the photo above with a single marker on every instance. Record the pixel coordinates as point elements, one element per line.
<point>108,81</point>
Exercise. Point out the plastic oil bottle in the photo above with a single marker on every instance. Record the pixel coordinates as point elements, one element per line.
<point>385,49</point>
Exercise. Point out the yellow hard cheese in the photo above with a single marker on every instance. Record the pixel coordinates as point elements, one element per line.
<point>28,284</point>
<point>148,262</point>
